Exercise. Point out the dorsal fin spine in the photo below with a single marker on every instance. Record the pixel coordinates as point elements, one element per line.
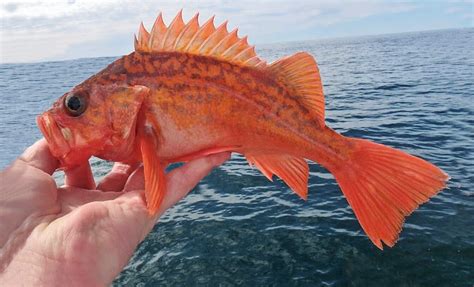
<point>143,36</point>
<point>155,31</point>
<point>135,42</point>
<point>185,29</point>
<point>192,38</point>
<point>234,46</point>
<point>220,29</point>
<point>262,64</point>
<point>209,23</point>
<point>178,20</point>
<point>250,50</point>
<point>252,61</point>
<point>227,38</point>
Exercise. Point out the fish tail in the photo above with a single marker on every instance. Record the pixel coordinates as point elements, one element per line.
<point>383,185</point>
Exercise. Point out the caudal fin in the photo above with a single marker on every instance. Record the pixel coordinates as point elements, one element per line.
<point>384,185</point>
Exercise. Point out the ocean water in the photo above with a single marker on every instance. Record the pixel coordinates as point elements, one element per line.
<point>412,91</point>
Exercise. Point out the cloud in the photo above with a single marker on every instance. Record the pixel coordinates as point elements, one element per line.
<point>464,9</point>
<point>45,30</point>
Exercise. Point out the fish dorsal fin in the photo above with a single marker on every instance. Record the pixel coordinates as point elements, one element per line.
<point>204,40</point>
<point>300,74</point>
<point>292,170</point>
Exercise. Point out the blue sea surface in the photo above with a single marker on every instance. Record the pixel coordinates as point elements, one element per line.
<point>412,91</point>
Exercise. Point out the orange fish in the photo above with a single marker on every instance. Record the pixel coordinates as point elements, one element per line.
<point>190,90</point>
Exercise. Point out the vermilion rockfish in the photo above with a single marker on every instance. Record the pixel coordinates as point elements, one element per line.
<point>190,90</point>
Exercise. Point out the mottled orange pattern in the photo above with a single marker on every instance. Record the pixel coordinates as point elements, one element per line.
<point>228,104</point>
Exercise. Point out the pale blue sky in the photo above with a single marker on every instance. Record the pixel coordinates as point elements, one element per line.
<point>54,30</point>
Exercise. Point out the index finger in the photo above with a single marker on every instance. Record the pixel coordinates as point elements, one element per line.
<point>39,156</point>
<point>115,180</point>
<point>80,176</point>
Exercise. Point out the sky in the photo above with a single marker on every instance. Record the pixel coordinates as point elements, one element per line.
<point>35,31</point>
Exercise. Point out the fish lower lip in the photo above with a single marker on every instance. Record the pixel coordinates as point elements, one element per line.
<point>42,126</point>
<point>53,135</point>
<point>45,130</point>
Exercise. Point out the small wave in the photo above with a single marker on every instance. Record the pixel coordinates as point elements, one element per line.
<point>390,87</point>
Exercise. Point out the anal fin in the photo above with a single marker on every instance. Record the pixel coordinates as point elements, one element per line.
<point>292,170</point>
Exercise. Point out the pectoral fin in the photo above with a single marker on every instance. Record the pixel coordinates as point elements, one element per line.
<point>155,180</point>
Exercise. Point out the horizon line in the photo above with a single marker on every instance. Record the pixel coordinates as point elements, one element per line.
<point>256,45</point>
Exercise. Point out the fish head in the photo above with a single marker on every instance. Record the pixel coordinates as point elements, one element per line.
<point>93,120</point>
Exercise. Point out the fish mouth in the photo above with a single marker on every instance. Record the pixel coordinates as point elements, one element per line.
<point>58,137</point>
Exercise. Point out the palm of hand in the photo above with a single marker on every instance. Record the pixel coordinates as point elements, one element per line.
<point>78,233</point>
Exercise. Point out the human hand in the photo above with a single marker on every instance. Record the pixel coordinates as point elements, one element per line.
<point>78,234</point>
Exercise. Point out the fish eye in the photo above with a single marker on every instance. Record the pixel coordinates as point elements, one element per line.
<point>75,104</point>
